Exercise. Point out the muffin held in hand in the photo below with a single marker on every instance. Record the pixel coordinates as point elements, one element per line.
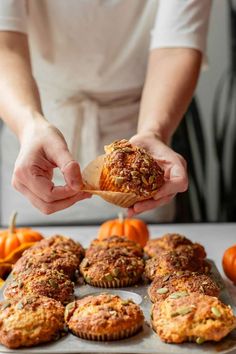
<point>112,268</point>
<point>171,242</point>
<point>104,317</point>
<point>178,285</point>
<point>195,317</point>
<point>115,242</point>
<point>46,282</point>
<point>30,321</point>
<point>130,169</point>
<point>175,261</point>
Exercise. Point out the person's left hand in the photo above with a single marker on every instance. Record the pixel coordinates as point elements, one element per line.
<point>175,172</point>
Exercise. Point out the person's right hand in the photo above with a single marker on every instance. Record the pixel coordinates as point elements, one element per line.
<point>44,148</point>
<point>175,172</point>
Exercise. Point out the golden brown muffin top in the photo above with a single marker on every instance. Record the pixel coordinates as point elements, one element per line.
<point>111,253</point>
<point>171,242</point>
<point>46,282</point>
<point>59,241</point>
<point>30,321</point>
<point>115,242</point>
<point>103,313</point>
<point>178,285</point>
<point>132,169</point>
<point>175,261</point>
<point>195,317</point>
<point>28,303</point>
<point>47,257</point>
<point>111,264</point>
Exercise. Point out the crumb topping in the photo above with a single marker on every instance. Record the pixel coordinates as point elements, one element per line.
<point>103,311</point>
<point>132,168</point>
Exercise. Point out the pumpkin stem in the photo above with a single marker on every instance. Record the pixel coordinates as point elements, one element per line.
<point>12,223</point>
<point>121,217</point>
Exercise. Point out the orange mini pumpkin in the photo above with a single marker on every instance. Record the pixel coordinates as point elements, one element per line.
<point>229,263</point>
<point>133,229</point>
<point>15,238</point>
<point>1,282</point>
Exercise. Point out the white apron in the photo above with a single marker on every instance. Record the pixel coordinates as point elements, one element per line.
<point>91,92</point>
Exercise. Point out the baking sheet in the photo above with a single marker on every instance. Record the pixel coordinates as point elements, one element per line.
<point>145,342</point>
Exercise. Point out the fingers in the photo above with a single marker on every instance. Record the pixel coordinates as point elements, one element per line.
<point>72,175</point>
<point>171,187</point>
<point>58,153</point>
<point>43,149</point>
<point>149,204</point>
<point>36,169</point>
<point>176,183</point>
<point>70,169</point>
<point>40,184</point>
<point>50,207</point>
<point>175,172</point>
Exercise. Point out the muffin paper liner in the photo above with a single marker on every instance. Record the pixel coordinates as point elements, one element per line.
<point>91,178</point>
<point>116,283</point>
<point>112,336</point>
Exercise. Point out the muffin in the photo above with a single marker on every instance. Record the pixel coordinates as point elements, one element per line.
<point>130,169</point>
<point>195,317</point>
<point>104,317</point>
<point>62,242</point>
<point>115,242</point>
<point>173,262</point>
<point>46,282</point>
<point>111,268</point>
<point>30,321</point>
<point>171,242</point>
<point>56,259</point>
<point>178,285</point>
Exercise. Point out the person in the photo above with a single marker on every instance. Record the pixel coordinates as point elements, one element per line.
<point>72,79</point>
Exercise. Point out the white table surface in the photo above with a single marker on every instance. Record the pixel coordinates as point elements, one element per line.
<point>214,237</point>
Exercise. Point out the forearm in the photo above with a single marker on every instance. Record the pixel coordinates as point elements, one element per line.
<point>170,83</point>
<point>19,96</point>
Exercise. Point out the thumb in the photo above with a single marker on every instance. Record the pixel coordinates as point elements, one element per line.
<point>70,169</point>
<point>72,175</point>
<point>59,153</point>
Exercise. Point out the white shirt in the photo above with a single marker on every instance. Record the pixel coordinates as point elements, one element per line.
<point>89,59</point>
<point>101,45</point>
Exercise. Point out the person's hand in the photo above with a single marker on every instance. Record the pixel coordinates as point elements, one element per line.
<point>43,148</point>
<point>175,172</point>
